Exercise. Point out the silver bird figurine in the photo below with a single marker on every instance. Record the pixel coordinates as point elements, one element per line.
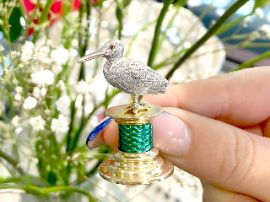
<point>130,76</point>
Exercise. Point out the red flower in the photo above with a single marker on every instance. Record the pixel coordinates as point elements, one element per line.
<point>56,10</point>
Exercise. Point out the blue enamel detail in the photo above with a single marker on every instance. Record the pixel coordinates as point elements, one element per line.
<point>98,129</point>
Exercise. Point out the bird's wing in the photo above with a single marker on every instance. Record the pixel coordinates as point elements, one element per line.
<point>134,76</point>
<point>141,72</point>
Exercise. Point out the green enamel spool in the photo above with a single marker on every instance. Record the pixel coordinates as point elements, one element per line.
<point>135,138</point>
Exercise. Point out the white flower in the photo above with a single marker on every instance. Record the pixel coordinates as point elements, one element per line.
<point>41,77</point>
<point>220,11</point>
<point>43,91</point>
<point>60,55</point>
<point>36,92</point>
<point>42,54</point>
<point>194,3</point>
<point>56,68</point>
<point>78,101</point>
<point>18,97</point>
<point>2,107</point>
<point>259,13</point>
<point>30,103</point>
<point>27,51</point>
<point>63,104</point>
<point>265,29</point>
<point>60,125</point>
<point>82,87</point>
<point>15,120</point>
<point>37,123</point>
<point>61,85</point>
<point>39,92</point>
<point>73,52</point>
<point>19,89</point>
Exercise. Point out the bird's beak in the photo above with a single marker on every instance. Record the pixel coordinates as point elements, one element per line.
<point>91,56</point>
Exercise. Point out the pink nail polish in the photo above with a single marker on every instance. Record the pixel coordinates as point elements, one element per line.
<point>171,135</point>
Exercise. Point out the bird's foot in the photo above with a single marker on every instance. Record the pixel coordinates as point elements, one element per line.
<point>145,105</point>
<point>134,109</point>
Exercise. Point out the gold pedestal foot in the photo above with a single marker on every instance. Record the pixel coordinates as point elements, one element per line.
<point>134,169</point>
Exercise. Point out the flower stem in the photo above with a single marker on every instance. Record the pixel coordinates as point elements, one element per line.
<point>47,190</point>
<point>154,46</point>
<point>229,12</point>
<point>249,63</point>
<point>44,15</point>
<point>11,161</point>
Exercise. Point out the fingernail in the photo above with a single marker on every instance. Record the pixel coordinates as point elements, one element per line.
<point>93,134</point>
<point>171,135</point>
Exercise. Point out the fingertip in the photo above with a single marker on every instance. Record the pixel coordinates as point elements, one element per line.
<point>110,135</point>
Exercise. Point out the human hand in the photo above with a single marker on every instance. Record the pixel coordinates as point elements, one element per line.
<point>217,129</point>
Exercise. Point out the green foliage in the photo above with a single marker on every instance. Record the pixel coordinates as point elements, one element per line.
<point>51,178</point>
<point>57,165</point>
<point>260,4</point>
<point>180,3</point>
<point>228,25</point>
<point>15,25</point>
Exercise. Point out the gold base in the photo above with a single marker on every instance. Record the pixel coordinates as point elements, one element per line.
<point>119,114</point>
<point>135,169</point>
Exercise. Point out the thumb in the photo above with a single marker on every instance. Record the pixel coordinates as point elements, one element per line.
<point>216,152</point>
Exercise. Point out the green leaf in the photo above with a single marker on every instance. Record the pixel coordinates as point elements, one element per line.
<point>253,61</point>
<point>51,178</point>
<point>125,3</point>
<point>229,25</point>
<point>15,25</point>
<point>260,4</point>
<point>180,3</point>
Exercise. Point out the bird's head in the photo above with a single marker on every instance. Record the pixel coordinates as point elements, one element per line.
<point>110,50</point>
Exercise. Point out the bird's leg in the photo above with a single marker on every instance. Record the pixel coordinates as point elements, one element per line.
<point>136,105</point>
<point>144,105</point>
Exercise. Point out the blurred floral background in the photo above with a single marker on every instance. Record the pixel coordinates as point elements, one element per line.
<point>49,103</point>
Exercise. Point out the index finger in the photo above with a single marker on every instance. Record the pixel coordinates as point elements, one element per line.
<point>240,98</point>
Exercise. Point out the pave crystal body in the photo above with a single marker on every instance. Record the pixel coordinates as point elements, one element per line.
<point>130,76</point>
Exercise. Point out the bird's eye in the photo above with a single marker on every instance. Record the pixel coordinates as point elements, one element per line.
<point>111,47</point>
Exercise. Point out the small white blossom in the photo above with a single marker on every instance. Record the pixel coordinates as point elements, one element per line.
<point>19,89</point>
<point>36,92</point>
<point>60,125</point>
<point>78,102</point>
<point>14,54</point>
<point>60,55</point>
<point>42,54</point>
<point>259,13</point>
<point>43,91</point>
<point>15,120</point>
<point>61,85</point>
<point>56,68</point>
<point>42,77</point>
<point>63,104</point>
<point>74,42</point>
<point>18,97</point>
<point>30,103</point>
<point>18,130</point>
<point>195,3</point>
<point>265,30</point>
<point>37,123</point>
<point>2,107</point>
<point>39,92</point>
<point>82,87</point>
<point>73,52</point>
<point>27,51</point>
<point>220,11</point>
